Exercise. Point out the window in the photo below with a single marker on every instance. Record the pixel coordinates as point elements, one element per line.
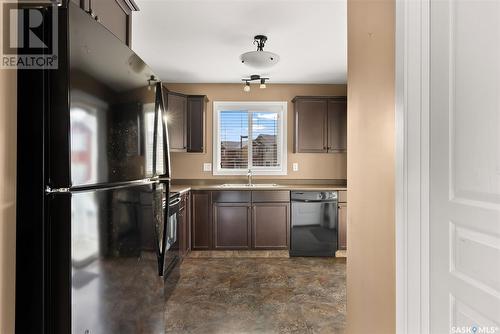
<point>250,135</point>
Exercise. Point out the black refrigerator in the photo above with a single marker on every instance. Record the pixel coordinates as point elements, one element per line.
<point>93,187</point>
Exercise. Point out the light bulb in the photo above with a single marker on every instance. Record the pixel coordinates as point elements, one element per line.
<point>262,83</point>
<point>247,87</point>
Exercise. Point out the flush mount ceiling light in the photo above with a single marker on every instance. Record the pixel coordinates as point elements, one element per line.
<point>260,58</point>
<point>254,77</point>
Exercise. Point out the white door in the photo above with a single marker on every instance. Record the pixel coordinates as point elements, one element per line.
<point>465,166</point>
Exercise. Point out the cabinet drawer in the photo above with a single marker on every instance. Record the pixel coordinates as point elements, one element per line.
<point>231,196</point>
<point>270,196</point>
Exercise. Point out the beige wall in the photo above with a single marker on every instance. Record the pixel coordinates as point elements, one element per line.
<point>370,167</point>
<point>311,166</point>
<point>7,198</point>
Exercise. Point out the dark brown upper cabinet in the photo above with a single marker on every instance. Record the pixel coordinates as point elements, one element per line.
<point>115,15</point>
<point>310,125</point>
<point>177,122</point>
<point>320,124</point>
<point>337,125</point>
<point>196,122</point>
<point>186,122</point>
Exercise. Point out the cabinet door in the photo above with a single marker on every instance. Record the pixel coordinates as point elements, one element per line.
<point>270,225</point>
<point>182,230</point>
<point>201,218</point>
<point>111,14</point>
<point>232,225</point>
<point>176,120</point>
<point>188,222</point>
<point>342,226</point>
<point>337,126</point>
<point>115,15</point>
<point>310,125</point>
<point>195,123</point>
<point>184,225</point>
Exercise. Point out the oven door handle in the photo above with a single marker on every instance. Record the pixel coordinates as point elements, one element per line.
<point>174,203</point>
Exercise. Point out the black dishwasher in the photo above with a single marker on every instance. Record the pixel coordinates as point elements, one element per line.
<point>314,230</point>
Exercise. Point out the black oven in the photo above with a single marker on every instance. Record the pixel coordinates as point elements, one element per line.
<point>171,265</point>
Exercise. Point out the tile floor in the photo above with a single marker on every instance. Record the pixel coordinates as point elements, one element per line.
<point>259,295</point>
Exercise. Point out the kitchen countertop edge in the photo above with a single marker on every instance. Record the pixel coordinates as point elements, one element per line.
<point>301,187</point>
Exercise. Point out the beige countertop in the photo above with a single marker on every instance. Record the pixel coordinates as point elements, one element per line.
<point>301,187</point>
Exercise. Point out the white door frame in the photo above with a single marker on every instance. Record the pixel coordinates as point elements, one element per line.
<point>412,166</point>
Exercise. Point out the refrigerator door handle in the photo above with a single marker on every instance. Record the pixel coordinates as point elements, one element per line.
<point>163,113</point>
<point>97,187</point>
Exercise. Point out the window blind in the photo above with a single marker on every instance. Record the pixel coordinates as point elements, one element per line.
<point>234,139</point>
<point>236,127</point>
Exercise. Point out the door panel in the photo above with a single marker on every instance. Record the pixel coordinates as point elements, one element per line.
<point>201,220</point>
<point>342,215</point>
<point>310,125</point>
<point>232,226</point>
<point>465,164</point>
<point>270,225</point>
<point>176,120</point>
<point>107,134</point>
<point>195,123</point>
<point>337,126</point>
<point>314,229</point>
<point>115,241</point>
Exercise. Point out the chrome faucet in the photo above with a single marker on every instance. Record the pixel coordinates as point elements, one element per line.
<point>249,175</point>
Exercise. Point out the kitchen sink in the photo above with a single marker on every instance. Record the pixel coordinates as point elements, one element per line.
<point>253,185</point>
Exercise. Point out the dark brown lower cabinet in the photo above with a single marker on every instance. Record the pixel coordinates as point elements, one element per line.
<point>201,220</point>
<point>270,225</point>
<point>232,227</point>
<point>342,214</point>
<point>240,220</point>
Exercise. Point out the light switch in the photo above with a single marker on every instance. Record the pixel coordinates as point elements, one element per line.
<point>295,166</point>
<point>207,167</point>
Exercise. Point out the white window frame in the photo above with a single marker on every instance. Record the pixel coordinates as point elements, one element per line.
<point>271,106</point>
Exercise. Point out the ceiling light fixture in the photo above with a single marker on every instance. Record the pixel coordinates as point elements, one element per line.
<point>262,83</point>
<point>260,58</point>
<point>254,77</point>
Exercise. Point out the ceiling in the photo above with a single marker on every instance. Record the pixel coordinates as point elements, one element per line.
<point>188,41</point>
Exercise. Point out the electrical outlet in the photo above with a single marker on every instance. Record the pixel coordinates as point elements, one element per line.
<point>295,166</point>
<point>207,167</point>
